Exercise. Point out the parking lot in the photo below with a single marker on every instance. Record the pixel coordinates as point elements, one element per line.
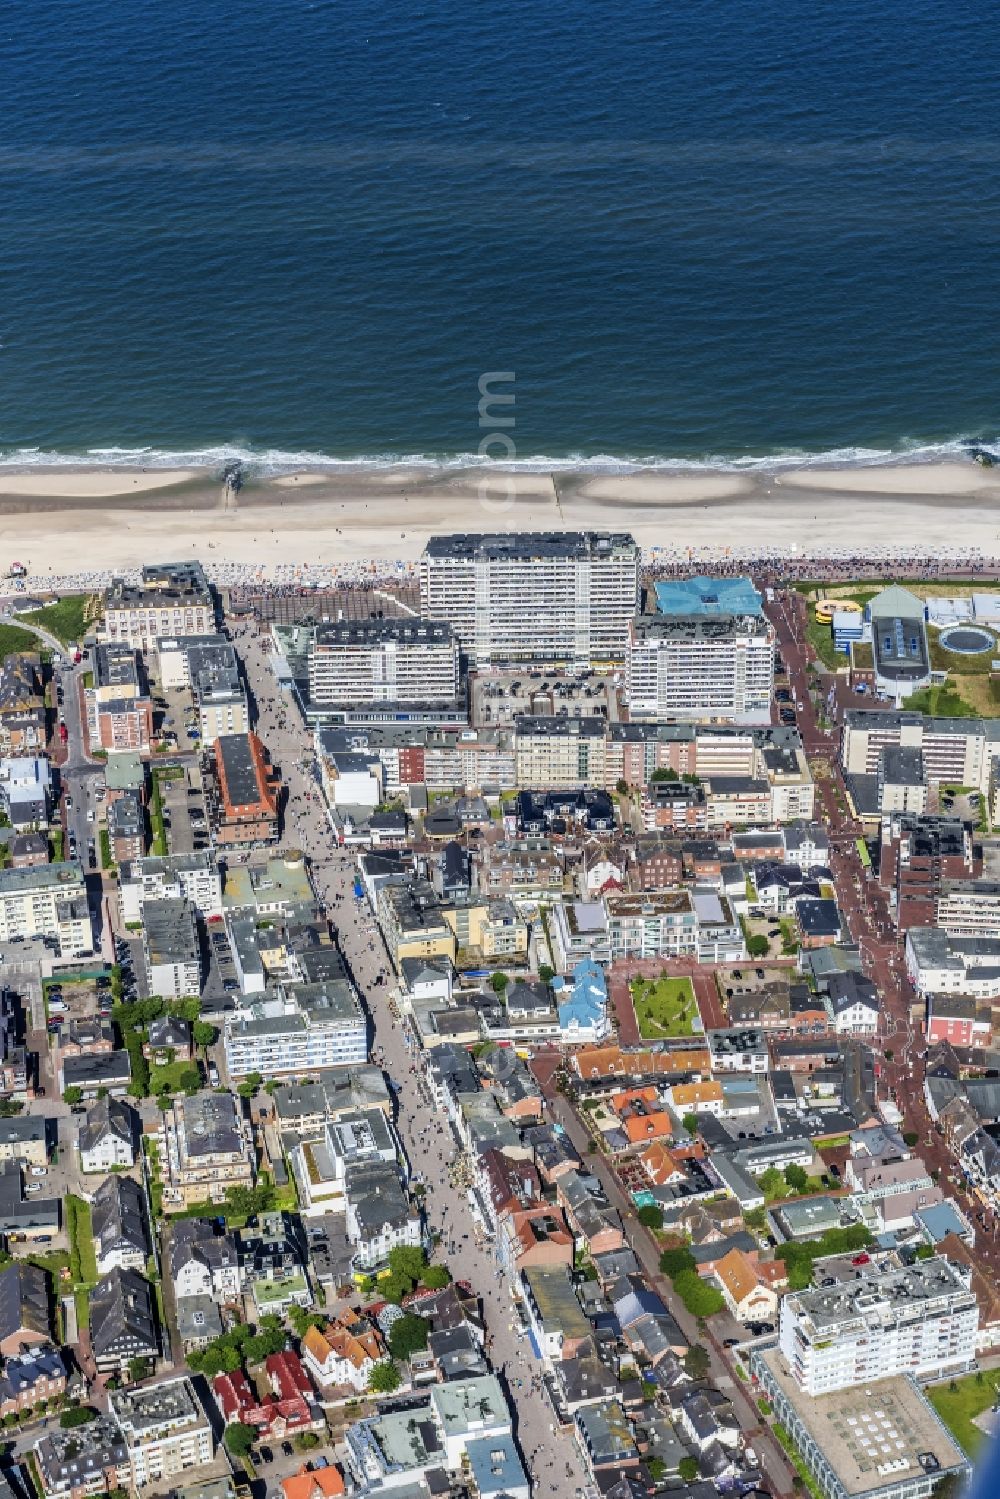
<point>183,809</point>
<point>499,698</point>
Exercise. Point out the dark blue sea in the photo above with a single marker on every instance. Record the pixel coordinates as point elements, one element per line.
<point>304,229</point>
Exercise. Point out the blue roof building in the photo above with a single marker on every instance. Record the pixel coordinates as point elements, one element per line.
<point>496,1468</point>
<point>582,1003</point>
<point>703,595</point>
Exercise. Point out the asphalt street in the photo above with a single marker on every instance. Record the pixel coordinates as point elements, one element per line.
<point>551,1455</point>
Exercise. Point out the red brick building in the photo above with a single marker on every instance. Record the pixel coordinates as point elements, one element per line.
<point>243,797</point>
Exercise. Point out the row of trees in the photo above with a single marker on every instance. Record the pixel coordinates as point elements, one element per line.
<point>240,1344</point>
<point>701,1299</point>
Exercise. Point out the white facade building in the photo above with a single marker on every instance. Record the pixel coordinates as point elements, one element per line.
<point>698,667</point>
<point>921,1321</point>
<point>194,877</point>
<point>173,599</point>
<point>564,597</point>
<point>165,1430</point>
<point>357,661</point>
<point>48,900</point>
<point>300,1029</point>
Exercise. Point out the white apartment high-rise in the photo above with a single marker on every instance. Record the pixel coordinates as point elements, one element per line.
<point>718,666</point>
<point>164,1429</point>
<point>921,1321</point>
<point>552,597</point>
<point>49,900</point>
<point>411,661</point>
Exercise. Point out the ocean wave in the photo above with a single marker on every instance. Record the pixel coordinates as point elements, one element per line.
<point>273,462</point>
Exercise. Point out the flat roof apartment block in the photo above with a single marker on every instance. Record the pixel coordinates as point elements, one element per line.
<point>700,667</point>
<point>534,596</point>
<point>921,1320</point>
<point>384,661</point>
<point>205,1150</point>
<point>298,1029</point>
<point>165,1429</point>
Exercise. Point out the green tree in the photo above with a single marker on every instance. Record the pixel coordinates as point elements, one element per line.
<point>248,1087</point>
<point>306,1441</point>
<point>189,1080</point>
<point>757,947</point>
<point>650,1216</point>
<point>217,1358</point>
<point>407,1335</point>
<point>302,1320</point>
<point>77,1415</point>
<point>665,773</point>
<point>137,1369</point>
<point>796,1178</point>
<point>384,1378</point>
<point>72,1094</point>
<point>435,1277</point>
<point>204,1034</point>
<point>499,982</point>
<point>690,1122</point>
<point>697,1362</point>
<point>772,1182</point>
<point>546,973</point>
<point>674,1262</point>
<point>240,1438</point>
<point>700,1298</point>
<point>657,1469</point>
<point>395,1287</point>
<point>687,1469</point>
<point>408,1261</point>
<point>910,1138</point>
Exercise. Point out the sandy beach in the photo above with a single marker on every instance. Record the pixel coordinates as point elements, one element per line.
<point>67,521</point>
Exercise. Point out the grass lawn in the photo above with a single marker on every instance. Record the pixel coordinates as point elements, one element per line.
<point>13,639</point>
<point>169,1075</point>
<point>957,1408</point>
<point>819,638</point>
<point>54,1262</point>
<point>66,620</point>
<point>981,692</point>
<point>80,1229</point>
<point>940,702</point>
<point>664,1007</point>
<point>156,823</point>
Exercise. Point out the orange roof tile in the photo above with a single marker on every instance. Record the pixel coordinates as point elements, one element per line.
<point>317,1483</point>
<point>687,1095</point>
<point>647,1126</point>
<point>738,1274</point>
<point>621,1101</point>
<point>660,1163</point>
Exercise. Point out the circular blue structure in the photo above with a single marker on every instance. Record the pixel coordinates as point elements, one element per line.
<point>967,640</point>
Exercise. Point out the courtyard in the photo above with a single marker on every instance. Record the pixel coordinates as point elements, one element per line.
<point>665,1007</point>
